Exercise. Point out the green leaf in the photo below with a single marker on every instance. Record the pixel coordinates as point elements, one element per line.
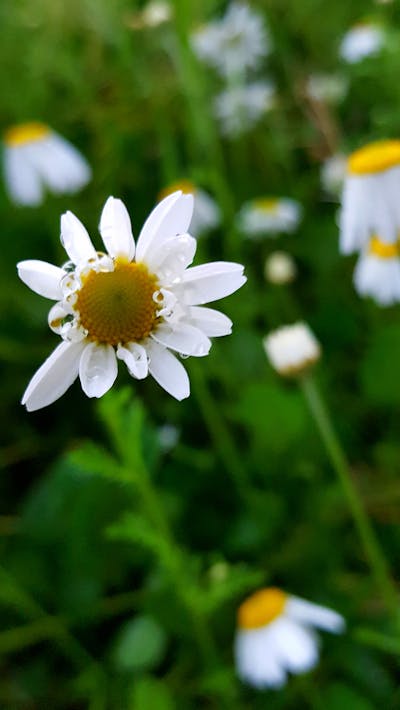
<point>140,645</point>
<point>380,367</point>
<point>150,693</point>
<point>341,697</point>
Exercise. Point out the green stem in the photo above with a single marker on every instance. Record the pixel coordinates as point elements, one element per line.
<point>378,640</point>
<point>372,549</point>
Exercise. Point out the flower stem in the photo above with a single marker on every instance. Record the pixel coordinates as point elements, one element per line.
<point>372,549</point>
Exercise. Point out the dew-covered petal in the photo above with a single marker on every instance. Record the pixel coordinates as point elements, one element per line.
<point>115,229</point>
<point>212,281</point>
<point>184,338</point>
<point>97,369</point>
<point>170,259</point>
<point>212,323</point>
<point>169,218</point>
<point>75,239</point>
<point>41,277</point>
<point>315,615</point>
<point>135,358</point>
<point>168,371</point>
<point>54,377</point>
<point>56,316</point>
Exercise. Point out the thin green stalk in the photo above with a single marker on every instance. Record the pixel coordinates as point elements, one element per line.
<point>372,549</point>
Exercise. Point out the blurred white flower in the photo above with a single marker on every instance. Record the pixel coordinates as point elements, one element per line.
<point>156,13</point>
<point>330,88</point>
<point>269,215</point>
<point>35,158</point>
<point>377,273</point>
<point>206,213</point>
<point>134,303</point>
<point>292,349</point>
<point>168,437</point>
<point>276,636</point>
<point>333,173</point>
<point>280,268</point>
<point>370,202</point>
<point>363,40</point>
<point>235,43</point>
<point>239,108</point>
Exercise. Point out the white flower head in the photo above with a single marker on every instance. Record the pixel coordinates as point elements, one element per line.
<point>333,173</point>
<point>134,303</point>
<point>377,273</point>
<point>269,216</point>
<point>370,201</point>
<point>276,636</point>
<point>235,43</point>
<point>206,213</point>
<point>168,437</point>
<point>153,14</point>
<point>292,349</point>
<point>362,40</point>
<point>330,88</point>
<point>239,108</point>
<point>36,159</point>
<point>280,268</point>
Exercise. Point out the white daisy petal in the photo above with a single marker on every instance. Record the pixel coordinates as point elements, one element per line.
<point>115,229</point>
<point>172,257</point>
<point>212,323</point>
<point>41,277</point>
<point>183,338</point>
<point>256,660</point>
<point>320,616</point>
<point>21,177</point>
<point>212,281</point>
<point>168,371</point>
<point>296,647</point>
<point>168,219</point>
<point>135,358</point>
<point>61,166</point>
<point>97,369</point>
<point>56,316</point>
<point>54,377</point>
<point>75,239</point>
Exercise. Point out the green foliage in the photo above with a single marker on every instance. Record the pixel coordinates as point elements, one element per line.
<point>139,646</point>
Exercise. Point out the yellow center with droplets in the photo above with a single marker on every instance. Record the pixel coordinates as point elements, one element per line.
<point>26,133</point>
<point>185,186</point>
<point>383,250</point>
<point>261,608</point>
<point>374,158</point>
<point>269,205</point>
<point>118,306</point>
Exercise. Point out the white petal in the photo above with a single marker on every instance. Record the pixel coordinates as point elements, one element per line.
<point>41,277</point>
<point>56,315</point>
<point>212,323</point>
<point>97,369</point>
<point>183,338</point>
<point>21,177</point>
<point>75,239</point>
<point>307,613</point>
<point>170,217</point>
<point>135,358</point>
<point>60,165</point>
<point>115,229</point>
<point>256,659</point>
<point>170,259</point>
<point>168,371</point>
<point>212,281</point>
<point>54,377</point>
<point>295,646</point>
<point>378,278</point>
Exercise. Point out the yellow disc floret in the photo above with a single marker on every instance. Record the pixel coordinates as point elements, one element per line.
<point>118,306</point>
<point>374,158</point>
<point>269,205</point>
<point>261,608</point>
<point>383,250</point>
<point>26,133</point>
<point>186,186</point>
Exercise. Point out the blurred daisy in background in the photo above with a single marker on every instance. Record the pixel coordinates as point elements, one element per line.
<point>377,273</point>
<point>269,215</point>
<point>153,14</point>
<point>135,303</point>
<point>333,173</point>
<point>206,213</point>
<point>292,349</point>
<point>330,88</point>
<point>239,108</point>
<point>235,43</point>
<point>280,268</point>
<point>36,159</point>
<point>168,437</point>
<point>275,636</point>
<point>362,40</point>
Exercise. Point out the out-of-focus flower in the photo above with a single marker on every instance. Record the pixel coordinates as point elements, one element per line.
<point>153,14</point>
<point>168,437</point>
<point>331,88</point>
<point>280,268</point>
<point>235,43</point>
<point>135,303</point>
<point>269,215</point>
<point>276,636</point>
<point>377,273</point>
<point>239,108</point>
<point>37,158</point>
<point>370,203</point>
<point>362,40</point>
<point>292,349</point>
<point>206,214</point>
<point>333,173</point>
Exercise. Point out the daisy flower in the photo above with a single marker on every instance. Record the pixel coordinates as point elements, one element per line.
<point>269,215</point>
<point>236,42</point>
<point>239,108</point>
<point>276,636</point>
<point>206,214</point>
<point>377,273</point>
<point>134,304</point>
<point>292,349</point>
<point>36,159</point>
<point>333,173</point>
<point>280,268</point>
<point>362,40</point>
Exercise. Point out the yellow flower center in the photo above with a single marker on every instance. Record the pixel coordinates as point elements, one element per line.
<point>269,205</point>
<point>261,608</point>
<point>383,250</point>
<point>186,186</point>
<point>118,306</point>
<point>26,133</point>
<point>374,158</point>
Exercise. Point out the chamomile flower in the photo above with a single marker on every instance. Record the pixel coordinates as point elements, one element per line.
<point>330,88</point>
<point>269,215</point>
<point>133,303</point>
<point>206,213</point>
<point>333,173</point>
<point>292,349</point>
<point>275,636</point>
<point>239,108</point>
<point>280,268</point>
<point>362,40</point>
<point>370,202</point>
<point>235,43</point>
<point>377,273</point>
<point>36,159</point>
